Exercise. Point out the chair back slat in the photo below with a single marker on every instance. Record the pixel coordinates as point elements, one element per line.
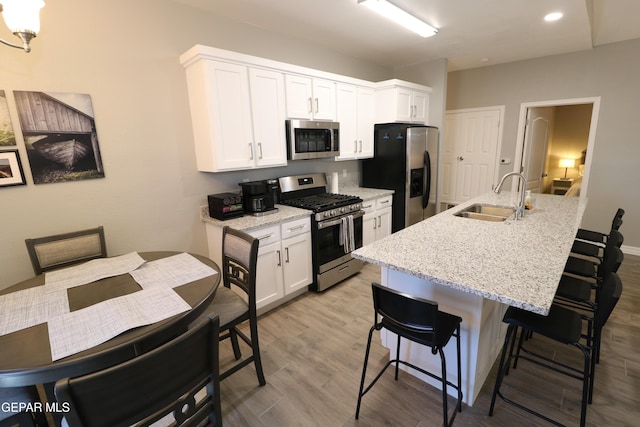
<point>407,311</point>
<point>608,296</point>
<point>161,382</point>
<point>63,250</point>
<point>239,259</point>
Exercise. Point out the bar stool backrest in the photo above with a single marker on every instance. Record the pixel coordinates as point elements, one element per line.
<point>401,311</point>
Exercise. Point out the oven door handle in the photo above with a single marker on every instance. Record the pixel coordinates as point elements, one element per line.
<point>337,221</point>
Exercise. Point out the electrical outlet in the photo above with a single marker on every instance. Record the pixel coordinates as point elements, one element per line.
<point>344,173</point>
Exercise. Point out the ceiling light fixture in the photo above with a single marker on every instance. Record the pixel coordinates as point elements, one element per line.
<point>23,19</point>
<point>550,17</point>
<point>399,16</point>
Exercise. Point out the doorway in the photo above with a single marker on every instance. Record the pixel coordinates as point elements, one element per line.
<point>556,144</point>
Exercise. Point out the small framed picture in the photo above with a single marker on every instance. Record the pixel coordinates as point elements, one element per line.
<point>11,169</point>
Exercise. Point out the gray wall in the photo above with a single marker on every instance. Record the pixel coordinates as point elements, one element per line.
<point>125,55</point>
<point>611,72</point>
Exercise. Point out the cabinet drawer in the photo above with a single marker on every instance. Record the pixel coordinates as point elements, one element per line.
<point>369,206</point>
<point>298,226</point>
<point>267,235</point>
<point>384,202</point>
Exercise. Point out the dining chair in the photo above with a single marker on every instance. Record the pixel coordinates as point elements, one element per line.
<point>25,418</point>
<point>63,250</point>
<point>564,326</point>
<point>239,263</point>
<point>163,383</point>
<point>420,321</point>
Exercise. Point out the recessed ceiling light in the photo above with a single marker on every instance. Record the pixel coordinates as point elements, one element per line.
<point>554,16</point>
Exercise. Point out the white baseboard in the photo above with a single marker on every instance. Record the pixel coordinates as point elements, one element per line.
<point>630,250</point>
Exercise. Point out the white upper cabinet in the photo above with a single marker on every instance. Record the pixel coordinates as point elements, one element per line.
<point>268,115</point>
<point>355,112</point>
<point>239,104</point>
<point>237,115</point>
<point>310,98</point>
<point>399,101</point>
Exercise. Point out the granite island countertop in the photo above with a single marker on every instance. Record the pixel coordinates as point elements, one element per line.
<point>518,263</point>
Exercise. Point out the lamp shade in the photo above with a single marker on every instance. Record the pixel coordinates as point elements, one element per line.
<point>22,15</point>
<point>567,163</point>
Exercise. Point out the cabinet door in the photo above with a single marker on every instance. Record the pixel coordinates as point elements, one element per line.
<point>299,92</point>
<point>269,282</point>
<point>384,223</point>
<point>268,108</point>
<point>297,262</point>
<point>404,105</point>
<point>324,99</point>
<point>230,119</point>
<point>420,107</point>
<point>369,223</point>
<point>346,114</point>
<point>366,118</point>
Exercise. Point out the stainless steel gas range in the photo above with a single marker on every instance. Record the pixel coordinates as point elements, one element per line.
<point>336,227</point>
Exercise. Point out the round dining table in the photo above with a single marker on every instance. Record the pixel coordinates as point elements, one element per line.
<point>25,355</point>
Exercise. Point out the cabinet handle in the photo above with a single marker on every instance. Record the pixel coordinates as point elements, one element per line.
<point>297,227</point>
<point>367,206</point>
<point>260,150</point>
<point>317,106</point>
<point>375,224</point>
<point>286,251</point>
<point>310,105</point>
<point>384,202</point>
<point>355,146</point>
<point>360,146</point>
<point>279,259</point>
<point>250,151</point>
<point>266,236</point>
<point>379,221</point>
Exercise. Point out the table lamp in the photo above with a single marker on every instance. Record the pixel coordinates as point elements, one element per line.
<point>566,164</point>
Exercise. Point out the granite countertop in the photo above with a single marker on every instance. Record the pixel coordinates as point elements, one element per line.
<point>518,263</point>
<point>286,213</point>
<point>365,193</point>
<point>249,222</point>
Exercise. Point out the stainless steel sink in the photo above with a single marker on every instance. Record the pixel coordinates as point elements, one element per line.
<point>486,212</point>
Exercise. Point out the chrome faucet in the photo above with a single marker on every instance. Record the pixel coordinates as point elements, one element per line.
<point>520,209</point>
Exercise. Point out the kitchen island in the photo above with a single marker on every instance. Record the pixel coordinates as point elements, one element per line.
<point>476,269</point>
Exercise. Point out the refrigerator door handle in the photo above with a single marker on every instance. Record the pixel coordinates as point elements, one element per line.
<point>427,176</point>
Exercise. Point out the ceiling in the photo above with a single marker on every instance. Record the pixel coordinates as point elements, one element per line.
<point>472,33</point>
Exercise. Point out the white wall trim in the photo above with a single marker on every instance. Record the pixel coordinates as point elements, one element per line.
<point>630,250</point>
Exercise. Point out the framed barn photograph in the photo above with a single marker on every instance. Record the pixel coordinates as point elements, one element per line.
<point>60,136</point>
<point>7,137</point>
<point>11,169</point>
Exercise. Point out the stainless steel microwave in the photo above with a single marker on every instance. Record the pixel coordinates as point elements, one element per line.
<point>309,139</point>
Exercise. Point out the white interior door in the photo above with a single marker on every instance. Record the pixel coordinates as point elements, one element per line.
<point>469,159</point>
<point>535,150</point>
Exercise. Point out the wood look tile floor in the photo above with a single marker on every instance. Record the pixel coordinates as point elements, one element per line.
<point>313,349</point>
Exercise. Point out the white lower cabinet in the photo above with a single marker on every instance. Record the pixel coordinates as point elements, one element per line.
<point>284,261</point>
<point>376,222</point>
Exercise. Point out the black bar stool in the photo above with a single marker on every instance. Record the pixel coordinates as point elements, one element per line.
<point>420,321</point>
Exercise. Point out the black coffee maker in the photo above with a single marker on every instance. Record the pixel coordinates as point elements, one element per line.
<point>259,197</point>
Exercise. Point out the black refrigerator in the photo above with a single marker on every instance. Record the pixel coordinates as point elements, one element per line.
<point>406,161</point>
